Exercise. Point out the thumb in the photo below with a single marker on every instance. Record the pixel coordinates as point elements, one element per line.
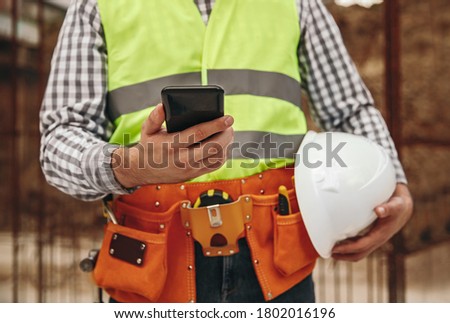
<point>392,206</point>
<point>154,121</point>
<point>382,210</point>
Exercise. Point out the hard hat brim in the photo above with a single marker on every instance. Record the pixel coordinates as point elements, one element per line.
<point>315,216</point>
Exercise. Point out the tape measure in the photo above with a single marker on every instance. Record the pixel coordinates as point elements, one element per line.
<point>212,197</point>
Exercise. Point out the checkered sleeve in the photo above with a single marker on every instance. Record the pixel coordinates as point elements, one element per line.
<point>339,99</point>
<point>75,156</point>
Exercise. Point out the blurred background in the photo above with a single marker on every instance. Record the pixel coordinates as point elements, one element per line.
<point>401,48</point>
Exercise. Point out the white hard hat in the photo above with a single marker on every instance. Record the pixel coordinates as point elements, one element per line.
<point>339,179</point>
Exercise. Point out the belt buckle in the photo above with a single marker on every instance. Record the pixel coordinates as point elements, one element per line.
<point>215,217</point>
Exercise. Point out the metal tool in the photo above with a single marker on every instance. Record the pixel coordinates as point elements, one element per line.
<point>107,212</point>
<point>88,264</point>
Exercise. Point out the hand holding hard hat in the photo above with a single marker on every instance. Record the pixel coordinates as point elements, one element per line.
<point>339,179</point>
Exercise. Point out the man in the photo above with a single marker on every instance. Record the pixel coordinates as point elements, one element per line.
<point>111,61</point>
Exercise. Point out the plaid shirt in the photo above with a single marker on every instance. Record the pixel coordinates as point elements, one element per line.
<point>75,155</point>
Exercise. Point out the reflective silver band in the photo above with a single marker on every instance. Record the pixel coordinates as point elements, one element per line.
<point>259,83</point>
<point>264,145</point>
<point>139,96</point>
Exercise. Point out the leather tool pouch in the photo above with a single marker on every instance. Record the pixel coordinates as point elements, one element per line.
<point>292,246</point>
<point>218,227</point>
<point>133,258</point>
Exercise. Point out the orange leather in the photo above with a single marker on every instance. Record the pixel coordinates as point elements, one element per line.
<point>282,253</point>
<point>229,218</point>
<point>112,273</point>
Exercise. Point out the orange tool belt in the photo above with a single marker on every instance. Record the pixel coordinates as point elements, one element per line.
<point>149,255</point>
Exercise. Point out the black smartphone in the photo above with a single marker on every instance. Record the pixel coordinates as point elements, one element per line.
<point>186,106</point>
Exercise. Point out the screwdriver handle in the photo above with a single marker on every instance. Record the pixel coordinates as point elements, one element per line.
<point>284,206</point>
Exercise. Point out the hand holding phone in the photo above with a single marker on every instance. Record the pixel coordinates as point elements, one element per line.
<point>186,106</point>
<point>186,158</point>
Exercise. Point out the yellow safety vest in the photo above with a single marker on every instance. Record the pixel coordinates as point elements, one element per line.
<point>155,43</point>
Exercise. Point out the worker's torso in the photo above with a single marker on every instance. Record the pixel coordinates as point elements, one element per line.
<point>248,47</point>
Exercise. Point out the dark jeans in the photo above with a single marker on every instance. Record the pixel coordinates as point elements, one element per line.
<point>232,279</point>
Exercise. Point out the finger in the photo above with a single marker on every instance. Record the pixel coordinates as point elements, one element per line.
<point>154,121</point>
<point>202,131</point>
<point>373,239</point>
<point>214,162</point>
<point>399,202</point>
<point>351,257</point>
<point>217,145</point>
<point>352,247</point>
<point>207,165</point>
<point>393,206</point>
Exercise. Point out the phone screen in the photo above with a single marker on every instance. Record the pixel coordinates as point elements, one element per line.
<point>186,106</point>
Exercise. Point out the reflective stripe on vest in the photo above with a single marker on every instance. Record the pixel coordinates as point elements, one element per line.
<point>155,43</point>
<point>135,97</point>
